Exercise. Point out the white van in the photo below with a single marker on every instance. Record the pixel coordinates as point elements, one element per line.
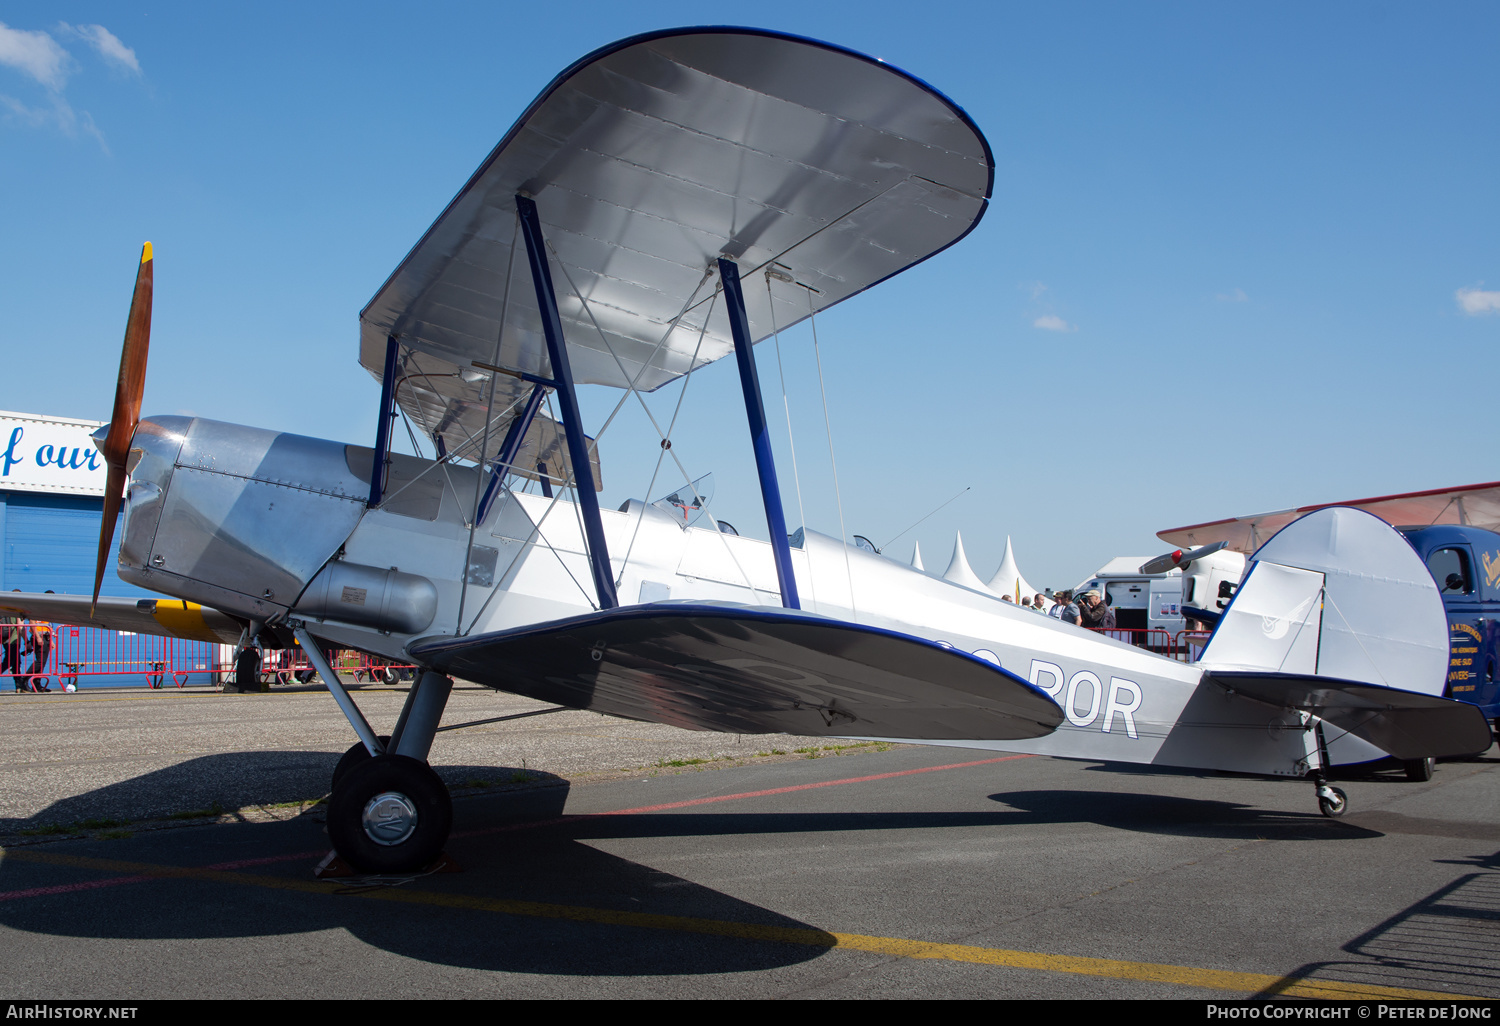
<point>1156,601</point>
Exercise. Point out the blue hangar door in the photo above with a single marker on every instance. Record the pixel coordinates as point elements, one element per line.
<point>49,543</point>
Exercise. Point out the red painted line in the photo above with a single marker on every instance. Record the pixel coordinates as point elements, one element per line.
<point>732,797</point>
<point>242,863</point>
<point>37,892</point>
<point>807,787</point>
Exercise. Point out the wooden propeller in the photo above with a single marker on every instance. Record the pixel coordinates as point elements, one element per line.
<point>127,412</point>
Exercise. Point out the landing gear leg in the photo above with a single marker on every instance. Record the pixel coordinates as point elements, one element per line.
<point>389,812</point>
<point>1332,801</point>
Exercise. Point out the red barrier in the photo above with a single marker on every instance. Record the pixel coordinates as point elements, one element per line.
<point>1184,646</point>
<point>90,656</point>
<point>1153,638</point>
<point>291,666</point>
<point>87,656</point>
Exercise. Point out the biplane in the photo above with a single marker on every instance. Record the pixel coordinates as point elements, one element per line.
<point>668,201</point>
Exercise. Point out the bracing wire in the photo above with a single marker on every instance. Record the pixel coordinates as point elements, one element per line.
<point>484,445</point>
<point>791,443</point>
<point>632,390</point>
<point>663,454</point>
<point>828,424</point>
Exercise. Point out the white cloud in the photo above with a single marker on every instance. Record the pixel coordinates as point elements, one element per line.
<point>1237,296</point>
<point>1477,301</point>
<point>1052,322</point>
<point>35,54</point>
<point>106,43</point>
<point>41,58</point>
<point>1035,288</point>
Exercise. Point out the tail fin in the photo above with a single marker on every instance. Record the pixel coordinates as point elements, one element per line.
<point>1338,593</point>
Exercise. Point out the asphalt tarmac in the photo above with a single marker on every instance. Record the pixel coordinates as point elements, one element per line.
<point>161,845</point>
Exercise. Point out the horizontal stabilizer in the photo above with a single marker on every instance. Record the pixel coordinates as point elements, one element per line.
<point>751,671</point>
<point>1406,724</point>
<point>168,618</point>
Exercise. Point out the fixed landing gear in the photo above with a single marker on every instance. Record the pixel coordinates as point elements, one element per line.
<point>390,814</point>
<point>247,670</point>
<point>356,755</point>
<point>1332,801</point>
<point>1418,770</point>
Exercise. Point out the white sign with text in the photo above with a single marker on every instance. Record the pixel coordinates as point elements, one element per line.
<point>49,454</point>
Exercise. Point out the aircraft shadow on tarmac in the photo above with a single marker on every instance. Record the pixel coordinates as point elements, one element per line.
<point>514,846</point>
<point>1175,816</point>
<point>1444,942</point>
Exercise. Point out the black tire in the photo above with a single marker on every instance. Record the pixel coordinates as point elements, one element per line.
<point>247,670</point>
<point>390,676</point>
<point>1418,770</point>
<point>398,782</point>
<point>1337,806</point>
<point>352,758</point>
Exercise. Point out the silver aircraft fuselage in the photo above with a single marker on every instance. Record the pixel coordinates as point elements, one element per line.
<point>267,525</point>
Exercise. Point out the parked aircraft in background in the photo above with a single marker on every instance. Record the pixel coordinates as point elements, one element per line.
<point>667,201</point>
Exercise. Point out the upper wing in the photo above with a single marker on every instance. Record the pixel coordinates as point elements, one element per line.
<point>1477,505</point>
<point>649,159</point>
<point>171,618</point>
<point>751,671</point>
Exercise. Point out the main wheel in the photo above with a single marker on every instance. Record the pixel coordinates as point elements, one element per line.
<point>1418,770</point>
<point>1331,807</point>
<point>247,670</point>
<point>352,758</point>
<point>390,814</point>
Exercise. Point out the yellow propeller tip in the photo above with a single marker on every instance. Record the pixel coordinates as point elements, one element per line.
<point>146,253</point>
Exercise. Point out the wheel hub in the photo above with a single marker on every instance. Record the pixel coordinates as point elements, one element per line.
<point>390,818</point>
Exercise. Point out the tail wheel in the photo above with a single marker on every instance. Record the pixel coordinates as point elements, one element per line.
<point>1418,770</point>
<point>390,814</point>
<point>352,758</point>
<point>1332,801</point>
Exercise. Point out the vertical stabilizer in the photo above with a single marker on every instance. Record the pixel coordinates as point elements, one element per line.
<point>1338,593</point>
<point>916,557</point>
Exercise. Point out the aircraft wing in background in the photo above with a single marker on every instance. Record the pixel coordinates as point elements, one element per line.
<point>1476,505</point>
<point>169,618</point>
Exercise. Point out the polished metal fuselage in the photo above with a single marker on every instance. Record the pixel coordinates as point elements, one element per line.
<point>268,526</point>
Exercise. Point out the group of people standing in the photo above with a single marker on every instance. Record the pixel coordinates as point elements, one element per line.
<point>1084,610</point>
<point>19,638</point>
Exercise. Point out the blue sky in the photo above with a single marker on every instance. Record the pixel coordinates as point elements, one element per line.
<point>1239,257</point>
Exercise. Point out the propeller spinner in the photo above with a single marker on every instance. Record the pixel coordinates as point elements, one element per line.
<point>127,413</point>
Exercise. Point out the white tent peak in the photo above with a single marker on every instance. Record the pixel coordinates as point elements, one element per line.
<point>1008,578</point>
<point>916,557</point>
<point>959,571</point>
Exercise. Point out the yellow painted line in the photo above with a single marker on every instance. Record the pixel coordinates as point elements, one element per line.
<point>1185,976</point>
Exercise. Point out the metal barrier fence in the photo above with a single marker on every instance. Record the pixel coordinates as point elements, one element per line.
<point>93,657</point>
<point>291,666</point>
<point>1184,646</point>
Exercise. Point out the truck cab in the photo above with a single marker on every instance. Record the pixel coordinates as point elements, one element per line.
<point>1465,564</point>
